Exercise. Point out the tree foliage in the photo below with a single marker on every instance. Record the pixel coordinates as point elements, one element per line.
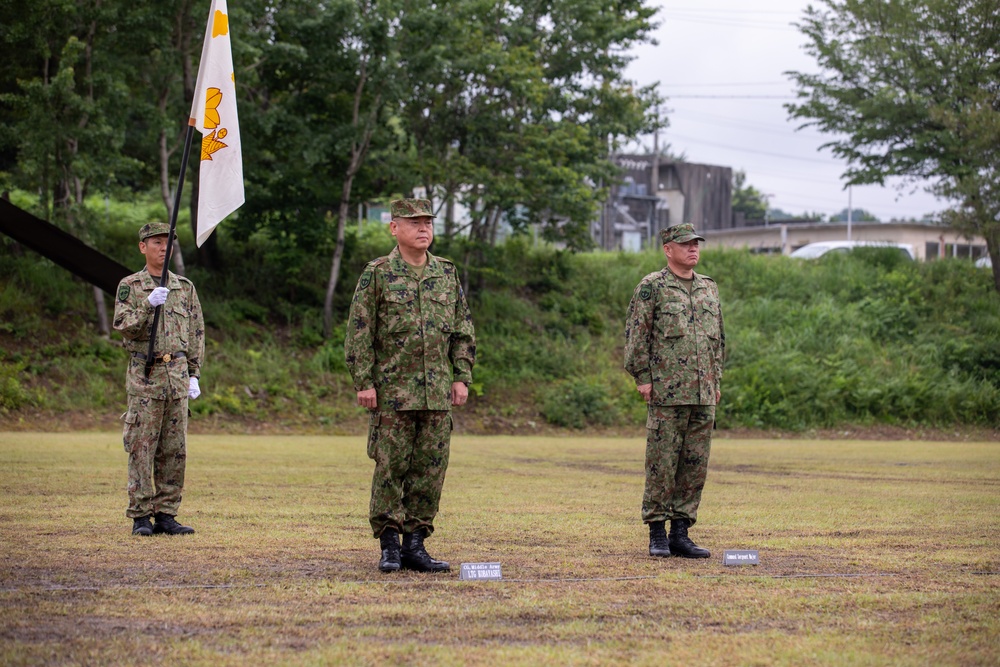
<point>747,199</point>
<point>857,215</point>
<point>507,109</point>
<point>911,88</point>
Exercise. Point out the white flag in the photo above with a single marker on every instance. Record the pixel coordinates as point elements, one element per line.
<point>213,112</point>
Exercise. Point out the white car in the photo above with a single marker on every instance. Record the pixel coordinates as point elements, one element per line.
<point>815,250</point>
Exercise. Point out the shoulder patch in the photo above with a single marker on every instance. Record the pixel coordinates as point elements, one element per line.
<point>366,279</point>
<point>123,292</point>
<point>645,292</point>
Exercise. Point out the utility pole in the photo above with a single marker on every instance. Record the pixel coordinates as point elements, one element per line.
<point>655,176</point>
<point>849,212</point>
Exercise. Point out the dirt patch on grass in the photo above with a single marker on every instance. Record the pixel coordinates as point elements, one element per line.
<point>469,422</point>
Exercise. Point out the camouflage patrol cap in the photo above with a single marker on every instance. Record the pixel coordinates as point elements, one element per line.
<point>411,208</point>
<point>679,234</point>
<point>153,229</point>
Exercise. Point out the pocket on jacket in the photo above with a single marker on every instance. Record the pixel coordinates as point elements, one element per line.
<point>710,318</point>
<point>443,305</point>
<point>670,321</point>
<point>399,311</point>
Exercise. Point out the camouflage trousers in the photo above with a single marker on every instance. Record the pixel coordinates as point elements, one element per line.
<point>410,449</point>
<point>154,438</point>
<point>678,442</point>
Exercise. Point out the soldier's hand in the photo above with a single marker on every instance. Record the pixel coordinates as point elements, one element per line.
<point>459,393</point>
<point>158,296</point>
<point>368,399</point>
<point>194,391</point>
<point>645,390</point>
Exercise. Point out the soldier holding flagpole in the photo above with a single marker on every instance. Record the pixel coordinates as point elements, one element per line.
<point>159,312</point>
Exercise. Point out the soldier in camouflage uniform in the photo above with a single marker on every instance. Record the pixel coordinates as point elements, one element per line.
<point>410,347</point>
<point>156,421</point>
<point>674,348</point>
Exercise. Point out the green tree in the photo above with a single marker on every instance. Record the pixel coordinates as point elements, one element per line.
<point>68,112</point>
<point>857,215</point>
<point>747,199</point>
<point>911,88</point>
<point>319,106</point>
<point>511,108</point>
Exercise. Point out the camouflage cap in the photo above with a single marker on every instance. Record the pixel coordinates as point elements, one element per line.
<point>411,208</point>
<point>679,234</point>
<point>153,229</point>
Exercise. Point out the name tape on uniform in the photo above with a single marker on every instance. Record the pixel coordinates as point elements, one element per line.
<point>481,572</point>
<point>740,557</point>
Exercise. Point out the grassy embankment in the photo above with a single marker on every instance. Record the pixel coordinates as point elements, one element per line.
<point>854,341</point>
<point>872,553</point>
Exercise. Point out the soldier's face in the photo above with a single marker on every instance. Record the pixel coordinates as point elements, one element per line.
<point>155,250</point>
<point>413,233</point>
<point>683,255</point>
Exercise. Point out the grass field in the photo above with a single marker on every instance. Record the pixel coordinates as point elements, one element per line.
<point>872,553</point>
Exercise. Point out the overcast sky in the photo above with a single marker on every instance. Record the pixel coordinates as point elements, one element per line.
<point>721,65</point>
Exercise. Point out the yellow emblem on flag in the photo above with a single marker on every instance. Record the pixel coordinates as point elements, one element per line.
<point>212,143</point>
<point>220,26</point>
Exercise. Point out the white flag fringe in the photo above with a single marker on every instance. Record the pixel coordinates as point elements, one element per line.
<point>213,112</point>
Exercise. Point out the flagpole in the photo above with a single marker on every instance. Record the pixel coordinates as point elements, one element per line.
<point>170,243</point>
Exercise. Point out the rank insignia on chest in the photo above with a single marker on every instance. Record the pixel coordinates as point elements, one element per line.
<point>397,287</point>
<point>645,293</point>
<point>123,292</point>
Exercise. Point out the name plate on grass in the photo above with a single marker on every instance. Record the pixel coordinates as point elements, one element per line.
<point>481,571</point>
<point>740,557</point>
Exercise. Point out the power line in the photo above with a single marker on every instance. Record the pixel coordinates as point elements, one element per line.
<point>753,152</point>
<point>721,22</point>
<point>722,85</point>
<point>732,97</point>
<point>708,10</point>
<point>782,131</point>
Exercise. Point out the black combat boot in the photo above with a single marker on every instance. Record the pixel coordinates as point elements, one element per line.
<point>142,526</point>
<point>658,545</point>
<point>389,539</point>
<point>681,544</point>
<point>415,557</point>
<point>168,524</point>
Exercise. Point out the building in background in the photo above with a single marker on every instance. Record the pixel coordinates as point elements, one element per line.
<point>929,241</point>
<point>639,207</point>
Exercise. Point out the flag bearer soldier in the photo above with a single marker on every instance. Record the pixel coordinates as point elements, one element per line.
<point>156,420</point>
<point>410,347</point>
<point>674,348</point>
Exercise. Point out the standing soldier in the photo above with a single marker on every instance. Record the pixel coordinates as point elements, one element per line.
<point>674,348</point>
<point>410,346</point>
<point>156,421</point>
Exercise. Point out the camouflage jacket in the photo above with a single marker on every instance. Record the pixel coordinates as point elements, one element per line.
<point>676,340</point>
<point>410,339</point>
<point>181,329</point>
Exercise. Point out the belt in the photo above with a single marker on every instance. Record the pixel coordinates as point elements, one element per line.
<point>159,360</point>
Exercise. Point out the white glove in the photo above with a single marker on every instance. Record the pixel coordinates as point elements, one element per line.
<point>158,296</point>
<point>194,391</point>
